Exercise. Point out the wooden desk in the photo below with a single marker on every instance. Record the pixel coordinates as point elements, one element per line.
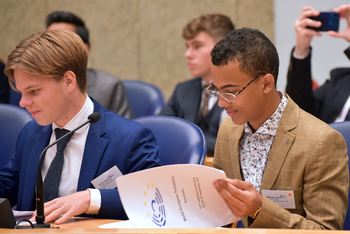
<point>85,225</point>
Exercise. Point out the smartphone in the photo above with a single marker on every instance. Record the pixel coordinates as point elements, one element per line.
<point>329,20</point>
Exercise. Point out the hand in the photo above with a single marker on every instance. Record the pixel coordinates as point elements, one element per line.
<point>304,35</point>
<point>345,10</point>
<point>240,196</point>
<point>67,206</point>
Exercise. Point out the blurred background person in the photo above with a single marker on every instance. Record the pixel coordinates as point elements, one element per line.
<point>108,90</point>
<point>189,99</point>
<point>331,101</point>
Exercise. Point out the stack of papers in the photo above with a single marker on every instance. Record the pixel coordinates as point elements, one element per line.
<point>174,196</point>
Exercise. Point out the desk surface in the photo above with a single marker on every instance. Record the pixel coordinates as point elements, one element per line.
<point>84,225</point>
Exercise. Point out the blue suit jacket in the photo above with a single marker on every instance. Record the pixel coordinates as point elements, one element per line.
<point>113,140</point>
<point>185,103</point>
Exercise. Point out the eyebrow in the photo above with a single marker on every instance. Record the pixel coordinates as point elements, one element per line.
<point>228,86</point>
<point>29,87</point>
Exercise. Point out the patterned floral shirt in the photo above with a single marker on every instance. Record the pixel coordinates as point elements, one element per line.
<point>254,148</point>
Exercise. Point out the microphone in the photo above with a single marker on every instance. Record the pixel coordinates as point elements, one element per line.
<point>40,215</point>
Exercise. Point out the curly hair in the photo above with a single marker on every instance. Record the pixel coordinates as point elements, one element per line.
<point>251,48</point>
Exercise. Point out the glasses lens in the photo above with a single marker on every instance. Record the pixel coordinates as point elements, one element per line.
<point>229,97</point>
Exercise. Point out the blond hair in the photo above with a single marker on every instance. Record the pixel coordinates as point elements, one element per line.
<point>50,54</point>
<point>216,25</point>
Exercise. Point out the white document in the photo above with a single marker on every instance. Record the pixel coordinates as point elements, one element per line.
<point>174,196</point>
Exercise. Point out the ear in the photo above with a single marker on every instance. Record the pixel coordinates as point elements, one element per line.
<point>70,81</point>
<point>87,47</point>
<point>268,83</point>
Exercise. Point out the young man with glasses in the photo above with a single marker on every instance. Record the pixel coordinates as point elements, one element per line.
<point>269,148</point>
<point>189,100</point>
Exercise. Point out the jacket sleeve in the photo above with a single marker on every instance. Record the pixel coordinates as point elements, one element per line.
<point>120,103</point>
<point>299,86</point>
<point>142,154</point>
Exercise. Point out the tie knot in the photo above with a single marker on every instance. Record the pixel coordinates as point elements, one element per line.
<point>62,144</point>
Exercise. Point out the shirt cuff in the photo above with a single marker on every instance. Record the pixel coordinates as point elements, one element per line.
<point>298,57</point>
<point>95,202</point>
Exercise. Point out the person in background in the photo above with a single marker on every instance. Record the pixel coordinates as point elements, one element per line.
<point>108,90</point>
<point>331,101</point>
<point>189,100</point>
<point>4,84</point>
<point>271,149</point>
<point>49,69</point>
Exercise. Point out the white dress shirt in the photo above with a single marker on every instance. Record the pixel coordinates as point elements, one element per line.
<point>73,156</point>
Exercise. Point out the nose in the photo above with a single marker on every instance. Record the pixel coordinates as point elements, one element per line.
<point>222,102</point>
<point>24,101</point>
<point>188,53</point>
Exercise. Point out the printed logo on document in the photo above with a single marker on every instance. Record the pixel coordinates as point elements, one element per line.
<point>154,205</point>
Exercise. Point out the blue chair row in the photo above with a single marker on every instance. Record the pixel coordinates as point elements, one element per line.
<point>179,141</point>
<point>145,99</point>
<point>344,129</point>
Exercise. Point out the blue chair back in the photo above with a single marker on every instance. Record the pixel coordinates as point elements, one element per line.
<point>145,99</point>
<point>179,141</point>
<point>344,129</point>
<point>12,120</point>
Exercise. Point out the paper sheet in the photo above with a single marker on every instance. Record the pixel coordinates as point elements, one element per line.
<point>174,196</point>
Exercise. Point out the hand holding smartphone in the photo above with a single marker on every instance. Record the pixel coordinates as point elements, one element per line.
<point>329,21</point>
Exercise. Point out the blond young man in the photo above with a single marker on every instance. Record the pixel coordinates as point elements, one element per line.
<point>49,69</point>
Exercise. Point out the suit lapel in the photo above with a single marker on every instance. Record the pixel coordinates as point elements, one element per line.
<point>281,145</point>
<point>29,185</point>
<point>94,147</point>
<point>234,152</point>
<point>194,102</point>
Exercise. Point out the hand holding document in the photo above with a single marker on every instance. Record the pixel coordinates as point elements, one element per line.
<point>174,196</point>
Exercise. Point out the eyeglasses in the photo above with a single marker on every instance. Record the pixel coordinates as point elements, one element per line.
<point>229,97</point>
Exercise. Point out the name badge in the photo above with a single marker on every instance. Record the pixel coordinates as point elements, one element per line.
<point>284,198</point>
<point>107,180</point>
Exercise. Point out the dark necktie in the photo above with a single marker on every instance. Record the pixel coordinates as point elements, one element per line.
<point>53,176</point>
<point>205,103</point>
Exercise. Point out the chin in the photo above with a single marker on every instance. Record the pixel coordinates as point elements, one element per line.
<point>237,121</point>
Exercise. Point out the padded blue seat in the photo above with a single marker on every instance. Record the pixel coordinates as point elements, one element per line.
<point>12,120</point>
<point>179,141</point>
<point>145,99</point>
<point>344,129</point>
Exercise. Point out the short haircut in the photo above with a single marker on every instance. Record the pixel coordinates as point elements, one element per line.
<point>69,18</point>
<point>50,54</point>
<point>251,48</point>
<point>216,25</point>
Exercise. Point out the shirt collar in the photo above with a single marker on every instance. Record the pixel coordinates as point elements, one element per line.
<point>79,118</point>
<point>271,124</point>
<point>204,83</point>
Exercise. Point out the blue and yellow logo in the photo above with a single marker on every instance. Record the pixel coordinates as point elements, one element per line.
<point>157,205</point>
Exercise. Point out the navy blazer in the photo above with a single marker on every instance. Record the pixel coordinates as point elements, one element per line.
<point>327,101</point>
<point>185,103</point>
<point>113,140</point>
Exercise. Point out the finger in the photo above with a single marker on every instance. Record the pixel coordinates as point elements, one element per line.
<point>308,12</point>
<point>229,191</point>
<point>63,218</point>
<point>232,202</point>
<point>336,34</point>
